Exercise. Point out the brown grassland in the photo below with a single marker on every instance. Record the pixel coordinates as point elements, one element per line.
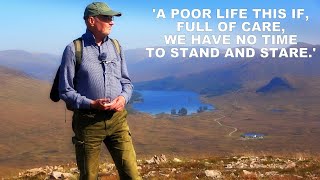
<point>34,132</point>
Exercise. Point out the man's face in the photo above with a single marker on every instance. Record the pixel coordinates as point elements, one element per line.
<point>103,24</point>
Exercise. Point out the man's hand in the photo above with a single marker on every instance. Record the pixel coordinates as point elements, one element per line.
<point>104,104</point>
<point>101,104</point>
<point>118,103</point>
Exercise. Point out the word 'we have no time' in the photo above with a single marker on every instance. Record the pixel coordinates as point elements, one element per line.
<point>199,33</point>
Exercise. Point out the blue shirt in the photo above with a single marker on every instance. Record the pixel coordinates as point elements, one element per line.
<point>95,79</point>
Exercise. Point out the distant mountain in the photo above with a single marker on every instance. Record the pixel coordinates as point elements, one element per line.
<point>277,84</point>
<point>210,83</point>
<point>225,77</point>
<point>153,69</point>
<point>302,44</point>
<point>44,66</point>
<point>135,55</point>
<point>158,68</point>
<point>143,69</point>
<point>39,66</point>
<point>261,68</point>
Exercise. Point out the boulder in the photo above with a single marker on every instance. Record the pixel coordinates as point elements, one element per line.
<point>215,174</point>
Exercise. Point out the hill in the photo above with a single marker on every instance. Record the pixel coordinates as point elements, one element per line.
<point>39,66</point>
<point>31,123</point>
<point>36,133</point>
<point>275,85</point>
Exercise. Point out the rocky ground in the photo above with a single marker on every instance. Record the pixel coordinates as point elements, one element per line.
<point>160,167</point>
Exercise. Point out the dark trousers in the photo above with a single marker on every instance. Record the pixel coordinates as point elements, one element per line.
<point>111,128</point>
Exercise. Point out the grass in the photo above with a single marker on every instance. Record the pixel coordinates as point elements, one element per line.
<point>36,134</point>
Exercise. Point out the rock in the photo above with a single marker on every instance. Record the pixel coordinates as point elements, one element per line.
<point>248,173</point>
<point>34,171</point>
<point>110,167</point>
<point>150,161</point>
<point>166,175</point>
<point>271,173</point>
<point>215,174</point>
<point>163,158</point>
<point>157,160</point>
<point>233,175</point>
<point>261,175</point>
<point>149,174</point>
<point>173,170</point>
<point>67,175</point>
<point>102,174</point>
<point>104,170</point>
<point>153,160</point>
<point>60,175</point>
<point>56,175</point>
<point>290,165</point>
<point>74,170</point>
<point>176,160</point>
<point>299,177</point>
<point>243,158</point>
<point>242,165</point>
<point>252,165</point>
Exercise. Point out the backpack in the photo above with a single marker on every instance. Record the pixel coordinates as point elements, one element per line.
<point>54,93</point>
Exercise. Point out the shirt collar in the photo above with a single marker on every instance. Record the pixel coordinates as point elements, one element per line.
<point>89,38</point>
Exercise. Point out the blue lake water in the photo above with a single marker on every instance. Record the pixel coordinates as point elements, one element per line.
<point>156,102</point>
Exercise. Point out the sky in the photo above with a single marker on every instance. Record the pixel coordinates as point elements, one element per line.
<point>48,26</point>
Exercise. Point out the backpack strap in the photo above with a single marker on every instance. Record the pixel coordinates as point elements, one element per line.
<point>78,52</point>
<point>54,93</point>
<point>116,45</point>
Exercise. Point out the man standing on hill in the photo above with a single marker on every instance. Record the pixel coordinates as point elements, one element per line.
<point>97,90</point>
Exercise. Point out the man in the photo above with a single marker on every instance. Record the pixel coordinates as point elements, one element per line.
<point>97,92</point>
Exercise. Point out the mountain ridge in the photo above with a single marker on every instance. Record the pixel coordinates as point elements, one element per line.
<point>44,66</point>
